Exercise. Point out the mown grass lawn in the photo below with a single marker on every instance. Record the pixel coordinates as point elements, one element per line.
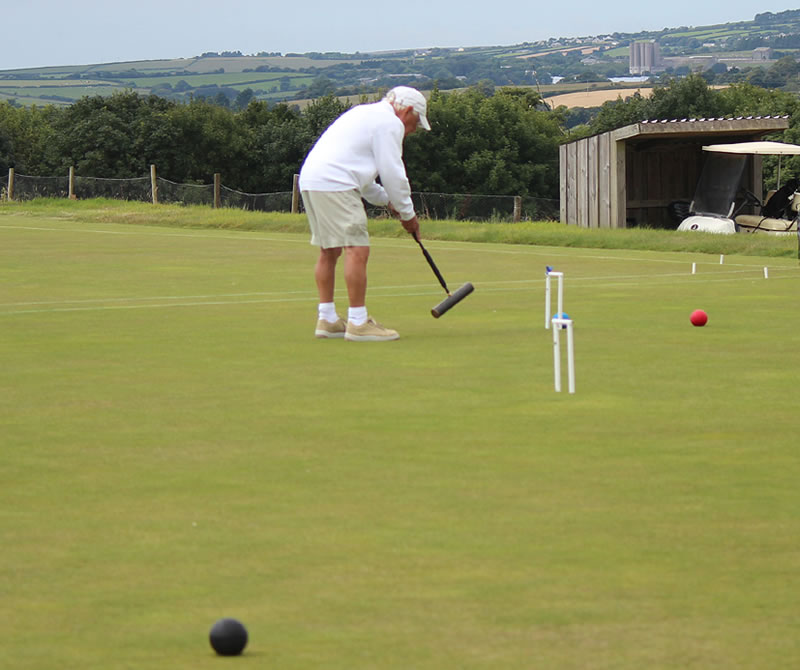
<point>177,447</point>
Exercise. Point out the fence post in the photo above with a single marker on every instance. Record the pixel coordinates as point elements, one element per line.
<point>296,194</point>
<point>217,190</point>
<point>517,208</point>
<point>154,184</point>
<point>10,195</point>
<point>72,182</point>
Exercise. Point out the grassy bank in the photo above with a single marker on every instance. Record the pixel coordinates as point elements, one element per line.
<point>525,233</point>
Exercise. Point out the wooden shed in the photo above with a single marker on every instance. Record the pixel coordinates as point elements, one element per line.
<point>628,177</point>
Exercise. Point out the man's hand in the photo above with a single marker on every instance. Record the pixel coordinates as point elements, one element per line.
<point>412,226</point>
<point>393,211</point>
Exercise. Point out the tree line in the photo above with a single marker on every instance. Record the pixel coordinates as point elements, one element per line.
<point>484,140</point>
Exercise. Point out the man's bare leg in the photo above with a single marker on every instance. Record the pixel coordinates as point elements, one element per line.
<point>325,273</point>
<point>355,275</point>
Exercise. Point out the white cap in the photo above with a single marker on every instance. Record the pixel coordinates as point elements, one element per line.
<point>405,96</point>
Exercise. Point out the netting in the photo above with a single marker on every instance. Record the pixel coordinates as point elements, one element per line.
<point>541,209</point>
<point>450,206</point>
<point>261,202</point>
<point>28,188</point>
<point>467,207</point>
<point>116,189</point>
<point>184,194</point>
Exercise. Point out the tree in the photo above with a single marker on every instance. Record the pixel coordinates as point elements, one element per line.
<point>618,113</point>
<point>321,86</point>
<point>207,139</point>
<point>243,99</point>
<point>6,152</point>
<point>116,136</point>
<point>278,140</point>
<point>29,135</point>
<point>222,100</point>
<point>689,97</point>
<point>499,144</point>
<point>321,113</point>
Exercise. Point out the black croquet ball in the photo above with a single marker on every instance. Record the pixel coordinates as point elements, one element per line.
<point>228,637</point>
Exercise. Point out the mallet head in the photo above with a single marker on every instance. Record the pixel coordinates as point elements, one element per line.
<point>453,299</point>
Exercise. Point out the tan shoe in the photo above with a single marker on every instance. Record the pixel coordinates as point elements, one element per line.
<point>327,330</point>
<point>371,331</point>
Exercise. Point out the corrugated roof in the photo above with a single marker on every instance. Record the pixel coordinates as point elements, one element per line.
<point>746,127</point>
<point>722,118</point>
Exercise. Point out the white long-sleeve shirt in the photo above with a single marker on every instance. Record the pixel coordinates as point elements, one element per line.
<point>363,143</point>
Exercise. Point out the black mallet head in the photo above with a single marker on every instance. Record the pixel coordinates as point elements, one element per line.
<point>228,637</point>
<point>453,299</point>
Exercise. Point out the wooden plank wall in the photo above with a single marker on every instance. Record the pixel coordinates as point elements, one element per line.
<point>585,181</point>
<point>604,180</point>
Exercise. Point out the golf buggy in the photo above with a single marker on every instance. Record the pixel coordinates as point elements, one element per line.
<point>720,200</point>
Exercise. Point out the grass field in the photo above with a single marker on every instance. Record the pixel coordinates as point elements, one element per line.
<point>177,447</point>
<point>56,85</point>
<point>596,98</point>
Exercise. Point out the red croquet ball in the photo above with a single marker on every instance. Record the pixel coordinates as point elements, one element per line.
<point>699,318</point>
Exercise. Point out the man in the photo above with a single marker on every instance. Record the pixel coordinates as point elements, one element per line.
<point>364,143</point>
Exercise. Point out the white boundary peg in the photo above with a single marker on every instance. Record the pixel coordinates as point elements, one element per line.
<point>547,303</point>
<point>558,324</point>
<point>766,273</point>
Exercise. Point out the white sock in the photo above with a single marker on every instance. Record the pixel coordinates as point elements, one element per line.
<point>357,315</point>
<point>327,311</point>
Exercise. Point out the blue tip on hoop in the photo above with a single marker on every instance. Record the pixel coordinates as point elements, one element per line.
<point>548,268</point>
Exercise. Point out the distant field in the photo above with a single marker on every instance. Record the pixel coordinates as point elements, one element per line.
<point>142,65</point>
<point>39,95</point>
<point>556,50</point>
<point>227,79</point>
<point>619,52</point>
<point>245,62</point>
<point>594,98</point>
<point>41,91</point>
<point>239,80</point>
<point>59,82</point>
<point>195,65</point>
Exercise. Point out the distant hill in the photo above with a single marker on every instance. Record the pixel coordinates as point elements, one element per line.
<point>233,79</point>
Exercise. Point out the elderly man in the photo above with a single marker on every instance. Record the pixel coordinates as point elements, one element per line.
<point>364,143</point>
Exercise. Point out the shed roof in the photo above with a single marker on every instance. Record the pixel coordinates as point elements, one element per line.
<point>745,126</point>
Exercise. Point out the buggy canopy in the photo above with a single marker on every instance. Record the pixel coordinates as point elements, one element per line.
<point>758,148</point>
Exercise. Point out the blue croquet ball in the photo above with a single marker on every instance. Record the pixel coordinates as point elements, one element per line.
<point>562,315</point>
<point>228,637</point>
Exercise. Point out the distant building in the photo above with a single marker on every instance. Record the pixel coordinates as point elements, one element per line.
<point>762,53</point>
<point>645,57</point>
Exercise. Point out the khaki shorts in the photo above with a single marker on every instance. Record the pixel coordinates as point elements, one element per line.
<point>336,218</point>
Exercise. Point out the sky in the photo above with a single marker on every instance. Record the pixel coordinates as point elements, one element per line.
<point>37,33</point>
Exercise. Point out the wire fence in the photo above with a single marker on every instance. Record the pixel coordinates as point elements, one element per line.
<point>450,206</point>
